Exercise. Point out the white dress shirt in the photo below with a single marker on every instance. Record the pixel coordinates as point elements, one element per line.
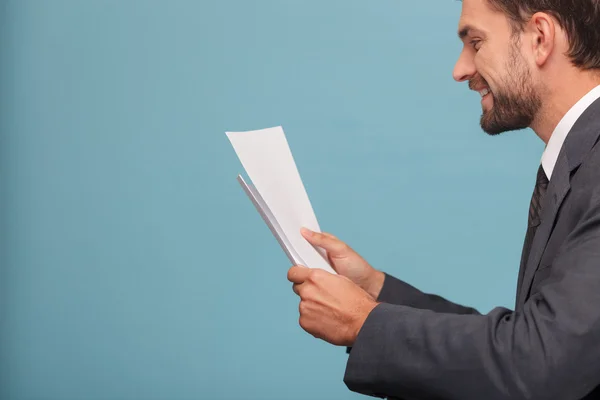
<point>562,130</point>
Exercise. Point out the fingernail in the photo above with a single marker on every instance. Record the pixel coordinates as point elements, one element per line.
<point>307,231</point>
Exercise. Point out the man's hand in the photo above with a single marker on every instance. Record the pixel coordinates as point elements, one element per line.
<point>332,307</point>
<point>345,261</point>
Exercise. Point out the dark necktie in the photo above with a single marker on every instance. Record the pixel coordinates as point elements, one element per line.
<point>535,207</point>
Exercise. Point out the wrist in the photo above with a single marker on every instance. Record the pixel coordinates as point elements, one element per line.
<point>359,322</point>
<point>374,283</point>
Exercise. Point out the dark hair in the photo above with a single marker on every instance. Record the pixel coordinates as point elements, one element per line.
<point>579,18</point>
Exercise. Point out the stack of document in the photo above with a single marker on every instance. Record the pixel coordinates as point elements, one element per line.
<point>277,192</point>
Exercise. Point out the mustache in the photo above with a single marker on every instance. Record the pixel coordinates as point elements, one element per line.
<point>477,82</point>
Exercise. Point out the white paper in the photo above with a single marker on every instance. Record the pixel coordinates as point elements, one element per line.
<point>271,222</point>
<point>268,161</point>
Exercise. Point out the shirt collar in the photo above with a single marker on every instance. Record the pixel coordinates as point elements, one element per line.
<point>561,131</point>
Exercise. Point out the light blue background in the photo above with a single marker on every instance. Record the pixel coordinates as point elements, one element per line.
<point>132,264</point>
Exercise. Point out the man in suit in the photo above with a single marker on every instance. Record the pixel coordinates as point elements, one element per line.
<point>536,63</point>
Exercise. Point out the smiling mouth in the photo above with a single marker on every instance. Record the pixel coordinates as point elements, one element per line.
<point>484,92</point>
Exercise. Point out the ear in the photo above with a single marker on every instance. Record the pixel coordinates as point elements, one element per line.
<point>542,27</point>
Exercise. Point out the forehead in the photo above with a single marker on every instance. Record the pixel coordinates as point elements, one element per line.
<point>480,16</point>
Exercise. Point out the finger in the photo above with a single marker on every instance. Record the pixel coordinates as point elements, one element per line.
<point>298,274</point>
<point>296,288</point>
<point>333,245</point>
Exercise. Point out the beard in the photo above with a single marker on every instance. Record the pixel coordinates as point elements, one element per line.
<point>516,103</point>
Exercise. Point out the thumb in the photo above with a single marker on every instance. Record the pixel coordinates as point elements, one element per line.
<point>330,243</point>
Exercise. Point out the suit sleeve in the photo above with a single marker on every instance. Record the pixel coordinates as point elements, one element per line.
<point>395,291</point>
<point>549,349</point>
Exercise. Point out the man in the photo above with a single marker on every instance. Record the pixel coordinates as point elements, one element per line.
<point>536,63</point>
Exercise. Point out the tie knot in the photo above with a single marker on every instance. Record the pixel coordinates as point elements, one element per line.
<point>542,179</point>
<point>539,191</point>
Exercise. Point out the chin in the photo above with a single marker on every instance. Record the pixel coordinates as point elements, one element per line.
<point>494,128</point>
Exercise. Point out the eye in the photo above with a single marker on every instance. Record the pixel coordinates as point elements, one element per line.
<point>476,44</point>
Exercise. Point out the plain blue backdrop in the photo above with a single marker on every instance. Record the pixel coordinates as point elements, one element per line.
<point>132,264</point>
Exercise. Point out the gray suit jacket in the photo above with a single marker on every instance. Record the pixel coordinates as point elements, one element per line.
<point>420,346</point>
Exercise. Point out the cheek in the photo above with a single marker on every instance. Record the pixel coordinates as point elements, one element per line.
<point>484,65</point>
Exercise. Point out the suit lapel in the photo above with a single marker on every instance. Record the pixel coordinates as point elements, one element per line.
<point>557,190</point>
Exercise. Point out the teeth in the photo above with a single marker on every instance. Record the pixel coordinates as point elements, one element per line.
<point>484,92</point>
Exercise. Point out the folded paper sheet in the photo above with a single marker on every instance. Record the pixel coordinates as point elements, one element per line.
<point>278,192</point>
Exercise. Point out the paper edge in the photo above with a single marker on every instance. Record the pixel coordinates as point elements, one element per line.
<point>271,221</point>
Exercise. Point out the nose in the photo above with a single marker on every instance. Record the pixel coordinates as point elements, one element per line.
<point>465,67</point>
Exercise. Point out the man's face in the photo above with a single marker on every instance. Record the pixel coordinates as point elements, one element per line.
<point>493,63</point>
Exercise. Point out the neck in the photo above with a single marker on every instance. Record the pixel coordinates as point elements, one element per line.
<point>560,98</point>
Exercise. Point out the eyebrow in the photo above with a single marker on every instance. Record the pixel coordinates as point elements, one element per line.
<point>468,30</point>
